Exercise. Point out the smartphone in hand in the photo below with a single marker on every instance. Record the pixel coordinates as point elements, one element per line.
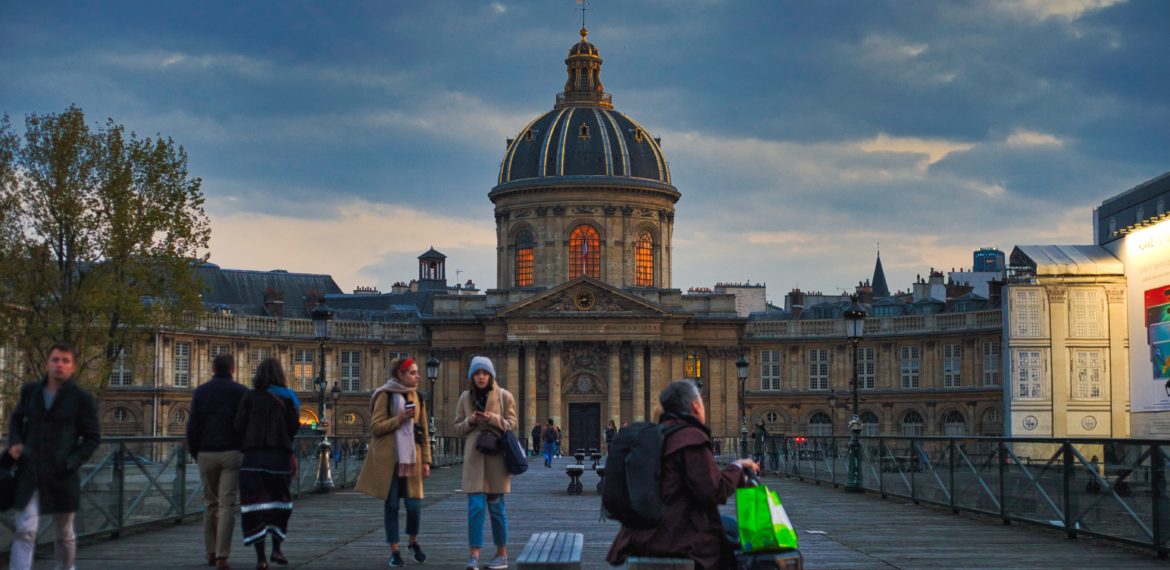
<point>409,407</point>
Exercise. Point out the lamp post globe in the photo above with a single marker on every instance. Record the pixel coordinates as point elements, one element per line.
<point>854,316</point>
<point>741,372</point>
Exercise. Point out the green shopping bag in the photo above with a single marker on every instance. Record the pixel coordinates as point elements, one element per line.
<point>763,524</point>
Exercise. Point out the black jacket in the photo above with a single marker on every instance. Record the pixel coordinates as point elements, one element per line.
<point>213,412</point>
<point>57,442</point>
<point>266,421</point>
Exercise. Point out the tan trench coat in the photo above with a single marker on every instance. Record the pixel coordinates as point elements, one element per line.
<point>485,473</point>
<point>382,460</point>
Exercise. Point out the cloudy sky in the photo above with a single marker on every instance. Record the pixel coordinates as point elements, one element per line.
<point>346,138</point>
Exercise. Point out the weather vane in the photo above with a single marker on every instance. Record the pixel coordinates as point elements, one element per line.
<point>583,8</point>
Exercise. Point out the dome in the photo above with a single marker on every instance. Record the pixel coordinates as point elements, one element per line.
<point>583,135</point>
<point>584,141</point>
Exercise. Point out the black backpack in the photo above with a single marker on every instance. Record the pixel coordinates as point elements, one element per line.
<point>632,493</point>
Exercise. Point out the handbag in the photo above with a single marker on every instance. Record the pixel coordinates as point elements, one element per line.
<point>515,460</point>
<point>764,526</point>
<point>488,442</point>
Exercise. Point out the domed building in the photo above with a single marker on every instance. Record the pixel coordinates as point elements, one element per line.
<point>584,190</point>
<point>584,324</point>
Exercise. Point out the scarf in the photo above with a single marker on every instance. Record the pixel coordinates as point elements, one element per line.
<point>404,435</point>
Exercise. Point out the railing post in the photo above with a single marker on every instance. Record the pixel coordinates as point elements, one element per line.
<point>1158,496</point>
<point>118,482</point>
<point>913,472</point>
<point>1068,480</point>
<point>1001,459</point>
<point>881,472</point>
<point>181,482</point>
<point>954,508</point>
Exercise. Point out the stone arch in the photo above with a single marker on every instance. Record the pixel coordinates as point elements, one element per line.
<point>953,416</point>
<point>911,421</point>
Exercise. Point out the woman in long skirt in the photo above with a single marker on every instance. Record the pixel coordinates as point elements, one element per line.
<point>267,422</point>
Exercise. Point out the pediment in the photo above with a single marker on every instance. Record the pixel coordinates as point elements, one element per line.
<point>584,297</point>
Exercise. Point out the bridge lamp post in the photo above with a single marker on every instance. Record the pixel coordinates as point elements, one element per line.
<point>741,371</point>
<point>854,329</point>
<point>322,317</point>
<point>432,375</point>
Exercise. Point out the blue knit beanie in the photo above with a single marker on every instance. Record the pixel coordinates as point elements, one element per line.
<point>481,363</point>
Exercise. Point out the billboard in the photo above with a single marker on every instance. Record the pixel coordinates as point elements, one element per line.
<point>1146,254</point>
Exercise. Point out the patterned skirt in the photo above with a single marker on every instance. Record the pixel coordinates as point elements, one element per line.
<point>265,500</point>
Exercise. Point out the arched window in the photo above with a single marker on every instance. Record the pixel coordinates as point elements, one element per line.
<point>820,424</point>
<point>953,424</point>
<point>644,260</point>
<point>870,424</point>
<point>912,424</point>
<point>991,424</point>
<point>121,415</point>
<point>180,417</point>
<point>584,252</point>
<point>524,263</point>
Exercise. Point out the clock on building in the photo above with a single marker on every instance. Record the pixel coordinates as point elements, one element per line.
<point>584,300</point>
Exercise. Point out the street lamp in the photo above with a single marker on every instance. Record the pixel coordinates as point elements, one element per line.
<point>741,371</point>
<point>322,324</point>
<point>854,329</point>
<point>432,375</point>
<point>336,393</point>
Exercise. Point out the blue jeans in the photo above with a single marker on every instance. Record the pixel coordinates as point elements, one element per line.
<point>390,511</point>
<point>548,453</point>
<point>476,502</point>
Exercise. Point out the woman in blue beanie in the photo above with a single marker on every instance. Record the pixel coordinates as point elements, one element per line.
<point>485,407</point>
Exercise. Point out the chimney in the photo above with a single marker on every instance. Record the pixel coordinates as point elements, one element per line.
<point>274,302</point>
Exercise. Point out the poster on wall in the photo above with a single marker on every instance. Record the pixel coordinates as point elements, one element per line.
<point>1146,255</point>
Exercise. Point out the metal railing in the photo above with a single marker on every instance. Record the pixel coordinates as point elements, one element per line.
<point>1113,489</point>
<point>142,481</point>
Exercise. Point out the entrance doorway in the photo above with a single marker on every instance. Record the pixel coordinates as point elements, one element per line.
<point>584,427</point>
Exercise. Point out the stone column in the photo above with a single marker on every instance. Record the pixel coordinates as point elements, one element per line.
<point>530,384</point>
<point>519,387</point>
<point>677,370</point>
<point>614,389</point>
<point>638,382</point>
<point>656,382</point>
<point>554,383</point>
<point>1058,386</point>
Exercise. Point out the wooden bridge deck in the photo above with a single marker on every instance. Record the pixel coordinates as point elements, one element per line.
<point>343,530</point>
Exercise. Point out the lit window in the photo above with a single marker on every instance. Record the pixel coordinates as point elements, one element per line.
<point>584,252</point>
<point>693,365</point>
<point>644,260</point>
<point>304,368</point>
<point>524,259</point>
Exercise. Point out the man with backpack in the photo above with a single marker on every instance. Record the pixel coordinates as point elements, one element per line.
<point>683,520</point>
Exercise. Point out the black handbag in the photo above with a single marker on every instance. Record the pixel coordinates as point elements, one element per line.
<point>488,442</point>
<point>7,481</point>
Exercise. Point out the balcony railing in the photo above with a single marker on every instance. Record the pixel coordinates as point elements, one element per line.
<point>1113,489</point>
<point>142,481</point>
<point>877,326</point>
<point>301,328</point>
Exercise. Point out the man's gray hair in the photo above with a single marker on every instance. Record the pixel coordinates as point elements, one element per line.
<point>678,396</point>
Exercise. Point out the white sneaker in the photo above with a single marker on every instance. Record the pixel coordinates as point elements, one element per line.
<point>497,563</point>
<point>472,564</point>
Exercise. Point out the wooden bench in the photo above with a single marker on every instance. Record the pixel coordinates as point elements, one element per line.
<point>574,472</point>
<point>548,550</point>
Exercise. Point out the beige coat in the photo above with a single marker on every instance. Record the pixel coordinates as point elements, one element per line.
<point>485,473</point>
<point>382,460</point>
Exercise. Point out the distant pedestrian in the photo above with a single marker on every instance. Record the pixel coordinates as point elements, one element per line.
<point>215,444</point>
<point>760,435</point>
<point>536,443</point>
<point>401,455</point>
<point>610,433</point>
<point>485,407</point>
<point>267,424</point>
<point>557,431</point>
<point>51,433</point>
<point>549,436</point>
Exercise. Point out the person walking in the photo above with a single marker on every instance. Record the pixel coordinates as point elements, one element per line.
<point>215,444</point>
<point>51,433</point>
<point>400,458</point>
<point>549,436</point>
<point>610,433</point>
<point>485,408</point>
<point>267,424</point>
<point>536,442</point>
<point>760,435</point>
